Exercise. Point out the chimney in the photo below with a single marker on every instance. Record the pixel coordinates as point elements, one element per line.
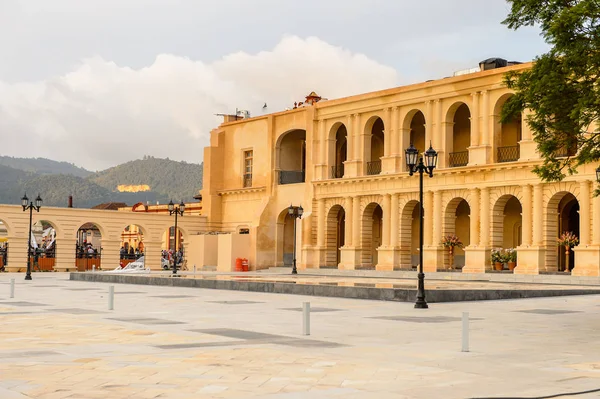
<point>70,201</point>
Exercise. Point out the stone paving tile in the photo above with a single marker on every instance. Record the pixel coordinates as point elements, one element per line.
<point>356,352</point>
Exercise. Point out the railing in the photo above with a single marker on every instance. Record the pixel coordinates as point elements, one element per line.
<point>374,168</point>
<point>458,159</point>
<point>291,176</point>
<point>248,180</point>
<point>566,152</point>
<point>337,172</point>
<point>509,154</point>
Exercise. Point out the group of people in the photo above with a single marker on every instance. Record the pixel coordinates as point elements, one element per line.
<point>131,253</point>
<point>3,254</point>
<point>173,257</point>
<point>86,250</point>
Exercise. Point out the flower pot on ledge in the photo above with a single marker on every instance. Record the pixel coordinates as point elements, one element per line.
<point>512,265</point>
<point>498,266</point>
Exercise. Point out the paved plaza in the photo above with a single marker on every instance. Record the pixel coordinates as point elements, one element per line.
<point>59,340</point>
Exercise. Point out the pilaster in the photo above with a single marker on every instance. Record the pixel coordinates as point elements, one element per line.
<point>587,260</point>
<point>152,255</point>
<point>111,256</point>
<point>477,260</point>
<point>529,259</point>
<point>65,254</point>
<point>350,258</point>
<point>17,255</point>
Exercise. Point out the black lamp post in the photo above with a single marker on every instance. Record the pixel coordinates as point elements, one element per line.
<point>412,154</point>
<point>177,210</point>
<point>295,212</point>
<point>29,205</point>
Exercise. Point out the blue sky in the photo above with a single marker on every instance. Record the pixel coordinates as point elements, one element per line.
<point>110,69</point>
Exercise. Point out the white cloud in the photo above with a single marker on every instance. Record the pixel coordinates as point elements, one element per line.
<point>101,114</point>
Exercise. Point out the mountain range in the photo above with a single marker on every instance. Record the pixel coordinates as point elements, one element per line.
<point>144,180</point>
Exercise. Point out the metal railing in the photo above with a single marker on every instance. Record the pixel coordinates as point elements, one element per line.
<point>337,171</point>
<point>460,158</point>
<point>291,176</point>
<point>248,180</point>
<point>373,168</point>
<point>509,154</point>
<point>567,152</point>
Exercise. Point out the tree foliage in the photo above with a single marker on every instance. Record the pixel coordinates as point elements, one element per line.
<point>562,89</point>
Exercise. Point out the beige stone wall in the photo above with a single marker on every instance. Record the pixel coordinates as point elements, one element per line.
<point>453,114</point>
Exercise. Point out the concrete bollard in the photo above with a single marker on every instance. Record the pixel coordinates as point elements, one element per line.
<point>306,318</point>
<point>194,269</point>
<point>465,331</point>
<point>12,287</point>
<point>93,268</point>
<point>111,297</point>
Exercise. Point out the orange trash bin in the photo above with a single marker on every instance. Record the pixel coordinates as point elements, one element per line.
<point>238,265</point>
<point>245,265</point>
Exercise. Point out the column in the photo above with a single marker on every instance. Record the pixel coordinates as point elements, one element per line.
<point>17,254</point>
<point>428,123</point>
<point>485,218</point>
<point>437,217</point>
<point>394,215</point>
<point>349,138</point>
<point>111,256</point>
<point>387,133</point>
<point>323,138</point>
<point>475,120</point>
<point>321,217</point>
<point>538,215</point>
<point>349,222</point>
<point>356,221</point>
<point>152,254</point>
<point>526,216</point>
<point>65,254</point>
<point>357,135</point>
<point>394,134</point>
<point>474,218</point>
<point>485,132</point>
<point>428,222</point>
<point>584,213</point>
<point>306,226</point>
<point>385,240</point>
<point>596,221</point>
<point>439,127</point>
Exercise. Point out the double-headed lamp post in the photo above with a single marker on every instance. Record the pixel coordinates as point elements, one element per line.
<point>412,154</point>
<point>29,205</point>
<point>177,210</point>
<point>295,212</point>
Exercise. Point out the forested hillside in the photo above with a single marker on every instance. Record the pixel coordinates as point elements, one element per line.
<point>44,166</point>
<point>177,180</point>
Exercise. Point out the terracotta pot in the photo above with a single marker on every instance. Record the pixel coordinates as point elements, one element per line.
<point>512,265</point>
<point>498,266</point>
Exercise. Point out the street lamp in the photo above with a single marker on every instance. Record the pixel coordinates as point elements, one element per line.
<point>177,210</point>
<point>412,154</point>
<point>29,205</point>
<point>295,212</point>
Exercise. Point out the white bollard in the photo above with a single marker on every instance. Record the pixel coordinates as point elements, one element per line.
<point>93,268</point>
<point>111,297</point>
<point>465,331</point>
<point>306,318</point>
<point>194,269</point>
<point>12,287</point>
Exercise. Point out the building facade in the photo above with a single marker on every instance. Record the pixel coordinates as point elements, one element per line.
<point>343,161</point>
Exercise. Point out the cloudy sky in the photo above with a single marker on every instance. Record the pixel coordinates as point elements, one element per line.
<point>101,82</point>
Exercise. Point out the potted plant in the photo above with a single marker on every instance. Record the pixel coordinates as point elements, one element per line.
<point>451,241</point>
<point>567,239</point>
<point>511,258</point>
<point>498,259</point>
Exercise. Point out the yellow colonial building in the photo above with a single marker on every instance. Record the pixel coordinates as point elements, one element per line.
<point>343,161</point>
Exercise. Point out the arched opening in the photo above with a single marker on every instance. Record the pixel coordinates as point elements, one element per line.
<point>371,235</point>
<point>507,135</point>
<point>375,148</point>
<point>132,244</point>
<point>291,157</point>
<point>43,245</point>
<point>409,235</point>
<point>562,217</point>
<point>417,131</point>
<point>461,135</point>
<point>88,247</point>
<point>457,220</point>
<point>3,245</point>
<point>336,230</point>
<point>506,223</point>
<point>341,152</point>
